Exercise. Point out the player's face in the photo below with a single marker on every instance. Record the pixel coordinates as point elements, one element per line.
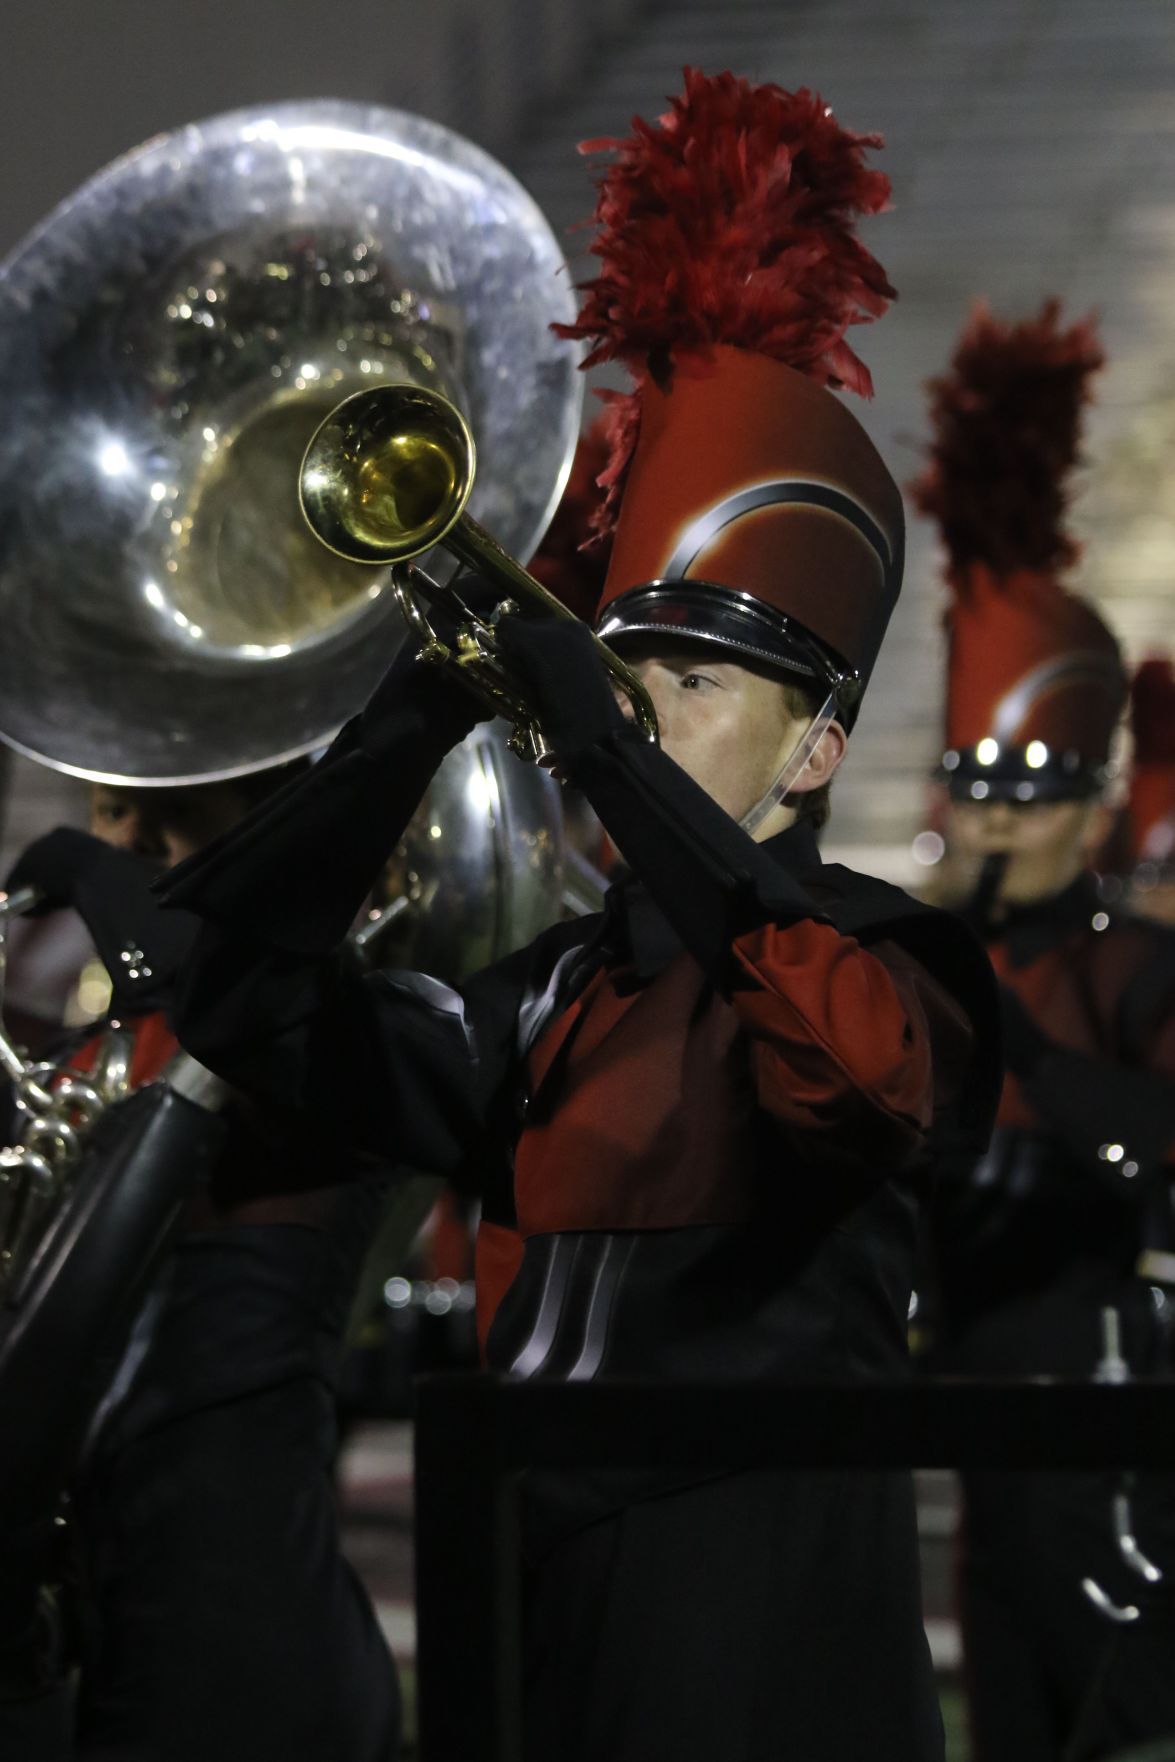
<point>1047,844</point>
<point>176,824</point>
<point>730,728</point>
<point>117,819</point>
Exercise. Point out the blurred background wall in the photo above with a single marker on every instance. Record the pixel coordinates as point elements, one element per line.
<point>1031,144</point>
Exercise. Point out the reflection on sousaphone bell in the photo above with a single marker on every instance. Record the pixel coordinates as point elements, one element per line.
<point>386,478</point>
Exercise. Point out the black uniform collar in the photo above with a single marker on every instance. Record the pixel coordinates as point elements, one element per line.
<point>638,935</point>
<point>795,849</point>
<point>1030,931</point>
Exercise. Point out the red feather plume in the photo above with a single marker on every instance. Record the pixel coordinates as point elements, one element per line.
<point>1152,712</point>
<point>573,573</point>
<point>1006,428</point>
<point>730,221</point>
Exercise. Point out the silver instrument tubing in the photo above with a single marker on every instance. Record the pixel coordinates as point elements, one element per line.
<point>481,867</point>
<point>58,1109</point>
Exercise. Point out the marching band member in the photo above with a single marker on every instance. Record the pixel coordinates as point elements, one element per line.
<point>697,1122</point>
<point>1150,810</point>
<point>218,1615</point>
<point>1056,1223</point>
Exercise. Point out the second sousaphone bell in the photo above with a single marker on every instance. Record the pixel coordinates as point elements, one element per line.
<point>386,478</point>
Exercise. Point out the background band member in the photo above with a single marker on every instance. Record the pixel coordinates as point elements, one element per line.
<point>1055,1224</point>
<point>1143,847</point>
<point>696,1121</point>
<point>218,1616</point>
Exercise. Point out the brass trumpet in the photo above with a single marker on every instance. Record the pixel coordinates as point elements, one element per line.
<point>385,478</point>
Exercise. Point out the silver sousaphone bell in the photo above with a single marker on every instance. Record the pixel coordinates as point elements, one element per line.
<point>170,338</point>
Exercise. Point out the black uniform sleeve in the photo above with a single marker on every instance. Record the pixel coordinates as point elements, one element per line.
<point>269,998</point>
<point>387,1061</point>
<point>1117,1121</point>
<point>708,876</point>
<point>394,1064</point>
<point>294,873</point>
<point>1120,1122</point>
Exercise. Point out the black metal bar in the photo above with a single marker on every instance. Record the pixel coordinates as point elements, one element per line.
<point>468,1613</point>
<point>923,1424</point>
<point>474,1434</point>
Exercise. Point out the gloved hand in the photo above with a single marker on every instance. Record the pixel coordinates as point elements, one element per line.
<point>56,865</point>
<point>140,945</point>
<point>412,685</point>
<point>479,593</point>
<point>557,664</point>
<point>1025,1044</point>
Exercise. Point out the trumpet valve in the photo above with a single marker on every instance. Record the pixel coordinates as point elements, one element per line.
<point>526,742</point>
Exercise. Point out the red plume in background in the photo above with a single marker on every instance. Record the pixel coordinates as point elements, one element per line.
<point>1006,427</point>
<point>575,575</point>
<point>730,221</point>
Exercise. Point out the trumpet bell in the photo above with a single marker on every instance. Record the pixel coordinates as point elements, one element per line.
<point>387,475</point>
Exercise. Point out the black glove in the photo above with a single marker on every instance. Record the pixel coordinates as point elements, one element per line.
<point>564,679</point>
<point>432,692</point>
<point>141,946</point>
<point>56,865</point>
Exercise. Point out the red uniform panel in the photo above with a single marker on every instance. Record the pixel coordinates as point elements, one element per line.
<point>644,1101</point>
<point>1073,992</point>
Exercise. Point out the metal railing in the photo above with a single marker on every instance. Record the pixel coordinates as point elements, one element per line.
<point>475,1434</point>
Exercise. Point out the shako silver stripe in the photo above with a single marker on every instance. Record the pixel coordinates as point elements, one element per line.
<point>706,527</point>
<point>1078,665</point>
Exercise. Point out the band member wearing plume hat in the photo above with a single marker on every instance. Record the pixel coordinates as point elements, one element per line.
<point>1069,1212</point>
<point>208,1608</point>
<point>1148,858</point>
<point>698,1121</point>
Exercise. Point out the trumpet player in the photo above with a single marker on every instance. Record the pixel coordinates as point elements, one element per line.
<point>1069,1214</point>
<point>697,1122</point>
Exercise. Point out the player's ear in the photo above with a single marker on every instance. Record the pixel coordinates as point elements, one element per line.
<point>824,762</point>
